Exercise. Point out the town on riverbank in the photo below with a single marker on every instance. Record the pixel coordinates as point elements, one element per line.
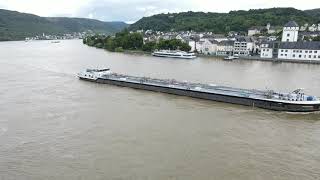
<point>290,43</point>
<point>66,36</point>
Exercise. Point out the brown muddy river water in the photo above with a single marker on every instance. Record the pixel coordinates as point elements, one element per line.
<point>54,126</point>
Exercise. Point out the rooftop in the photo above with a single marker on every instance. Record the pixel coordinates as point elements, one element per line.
<point>243,39</point>
<point>291,24</point>
<point>310,45</point>
<point>226,43</point>
<point>257,28</point>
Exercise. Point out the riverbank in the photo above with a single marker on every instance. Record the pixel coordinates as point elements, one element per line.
<point>138,52</point>
<point>257,58</point>
<point>254,58</point>
<point>249,58</point>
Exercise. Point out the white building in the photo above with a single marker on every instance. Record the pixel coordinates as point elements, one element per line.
<point>260,29</point>
<point>196,46</point>
<point>255,30</point>
<point>266,50</point>
<point>225,48</point>
<point>290,32</point>
<point>300,50</point>
<point>304,27</point>
<point>209,47</point>
<point>220,37</point>
<point>243,46</point>
<point>192,44</point>
<point>272,38</point>
<point>290,48</point>
<point>313,28</point>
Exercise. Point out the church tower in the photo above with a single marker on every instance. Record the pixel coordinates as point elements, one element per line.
<point>290,32</point>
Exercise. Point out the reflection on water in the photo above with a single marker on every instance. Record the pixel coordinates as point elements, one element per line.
<point>54,126</point>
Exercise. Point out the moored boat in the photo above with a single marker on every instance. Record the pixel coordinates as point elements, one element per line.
<point>230,58</point>
<point>296,101</point>
<point>174,54</point>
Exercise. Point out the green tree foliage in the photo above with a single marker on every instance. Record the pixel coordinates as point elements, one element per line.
<point>119,49</point>
<point>149,46</point>
<point>185,47</point>
<point>317,38</point>
<point>313,12</point>
<point>121,41</point>
<point>224,22</point>
<point>307,38</point>
<point>133,41</point>
<point>173,44</point>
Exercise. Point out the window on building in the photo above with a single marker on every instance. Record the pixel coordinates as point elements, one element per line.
<point>300,51</point>
<point>264,50</point>
<point>281,50</point>
<point>281,54</point>
<point>315,51</point>
<point>314,56</point>
<point>300,56</point>
<point>287,40</point>
<point>286,54</point>
<point>318,56</point>
<point>288,35</point>
<point>309,56</point>
<point>294,50</point>
<point>286,50</point>
<point>306,51</point>
<point>268,50</point>
<point>294,55</point>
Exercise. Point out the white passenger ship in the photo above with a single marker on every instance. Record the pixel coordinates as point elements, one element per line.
<point>174,54</point>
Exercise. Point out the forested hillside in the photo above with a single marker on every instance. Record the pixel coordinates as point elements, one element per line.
<point>16,26</point>
<point>224,22</point>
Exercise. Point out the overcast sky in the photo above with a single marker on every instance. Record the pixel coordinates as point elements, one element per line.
<point>133,10</point>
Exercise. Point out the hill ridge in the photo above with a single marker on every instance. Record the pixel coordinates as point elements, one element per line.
<point>16,25</point>
<point>223,22</point>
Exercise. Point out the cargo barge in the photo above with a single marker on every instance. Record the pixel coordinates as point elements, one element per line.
<point>296,101</point>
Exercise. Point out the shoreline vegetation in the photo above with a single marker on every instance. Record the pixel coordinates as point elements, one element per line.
<point>126,41</point>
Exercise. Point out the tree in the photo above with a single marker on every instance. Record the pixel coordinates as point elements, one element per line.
<point>317,38</point>
<point>307,38</point>
<point>185,47</point>
<point>135,41</point>
<point>125,40</point>
<point>149,46</point>
<point>224,22</point>
<point>109,44</point>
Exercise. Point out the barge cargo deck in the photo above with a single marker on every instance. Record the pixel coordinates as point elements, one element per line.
<point>296,101</point>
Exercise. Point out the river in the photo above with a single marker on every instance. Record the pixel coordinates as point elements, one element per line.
<point>54,126</point>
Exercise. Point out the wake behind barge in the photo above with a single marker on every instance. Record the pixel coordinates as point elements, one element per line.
<point>296,101</point>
